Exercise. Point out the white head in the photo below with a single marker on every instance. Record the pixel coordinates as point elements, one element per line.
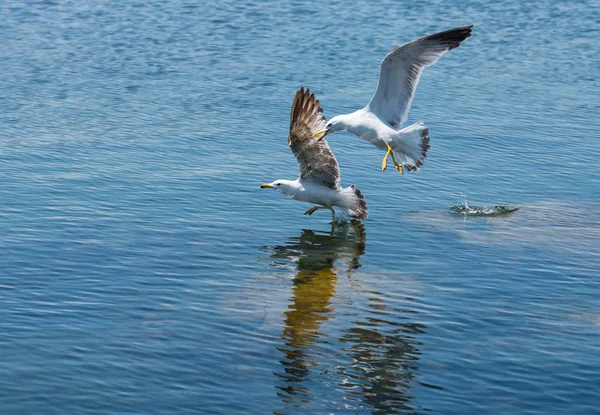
<point>284,186</point>
<point>337,123</point>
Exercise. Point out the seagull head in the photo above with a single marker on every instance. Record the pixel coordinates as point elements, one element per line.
<point>333,125</point>
<point>283,186</point>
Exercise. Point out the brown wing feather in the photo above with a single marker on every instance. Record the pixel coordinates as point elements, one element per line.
<point>315,159</point>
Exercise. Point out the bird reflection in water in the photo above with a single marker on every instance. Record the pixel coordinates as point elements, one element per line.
<point>316,255</point>
<point>385,353</point>
<point>376,355</point>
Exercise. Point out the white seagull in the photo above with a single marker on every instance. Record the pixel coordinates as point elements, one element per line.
<point>319,181</point>
<point>380,121</point>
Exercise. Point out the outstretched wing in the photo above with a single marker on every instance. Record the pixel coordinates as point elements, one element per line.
<point>402,68</point>
<point>315,159</point>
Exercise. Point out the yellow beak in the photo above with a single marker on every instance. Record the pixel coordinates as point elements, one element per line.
<point>266,186</point>
<point>322,134</point>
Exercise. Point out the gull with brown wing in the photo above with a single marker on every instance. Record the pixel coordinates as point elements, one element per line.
<point>319,180</point>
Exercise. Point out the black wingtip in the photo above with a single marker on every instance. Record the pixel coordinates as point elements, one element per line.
<point>452,37</point>
<point>362,210</point>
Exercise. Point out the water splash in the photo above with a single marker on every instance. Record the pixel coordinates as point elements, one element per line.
<point>467,210</point>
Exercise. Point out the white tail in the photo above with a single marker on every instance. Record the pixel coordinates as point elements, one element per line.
<point>411,145</point>
<point>355,205</point>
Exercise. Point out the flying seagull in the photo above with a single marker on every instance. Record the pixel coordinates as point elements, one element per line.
<point>380,121</point>
<point>319,181</point>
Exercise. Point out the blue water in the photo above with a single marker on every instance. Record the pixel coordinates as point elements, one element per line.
<point>143,271</point>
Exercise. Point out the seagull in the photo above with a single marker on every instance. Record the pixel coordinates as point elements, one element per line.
<point>380,121</point>
<point>319,180</point>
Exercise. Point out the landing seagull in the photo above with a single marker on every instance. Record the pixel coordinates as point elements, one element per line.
<point>319,181</point>
<point>380,121</point>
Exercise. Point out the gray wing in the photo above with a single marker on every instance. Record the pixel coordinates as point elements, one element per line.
<point>402,68</point>
<point>315,159</point>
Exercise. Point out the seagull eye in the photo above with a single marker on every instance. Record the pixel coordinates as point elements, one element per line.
<point>277,184</point>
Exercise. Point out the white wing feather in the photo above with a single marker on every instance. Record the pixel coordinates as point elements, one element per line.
<point>402,68</point>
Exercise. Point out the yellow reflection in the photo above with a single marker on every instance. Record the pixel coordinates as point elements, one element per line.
<point>319,256</point>
<point>313,290</point>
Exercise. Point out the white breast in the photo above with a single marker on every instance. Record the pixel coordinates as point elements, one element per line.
<point>367,126</point>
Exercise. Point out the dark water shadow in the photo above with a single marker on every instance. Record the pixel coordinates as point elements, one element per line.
<point>378,350</point>
<point>385,352</point>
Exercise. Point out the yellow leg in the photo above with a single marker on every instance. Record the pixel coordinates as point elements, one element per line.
<point>315,208</point>
<point>312,210</point>
<point>384,162</point>
<point>397,165</point>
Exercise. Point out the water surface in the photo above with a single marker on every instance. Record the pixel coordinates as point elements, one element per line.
<point>144,271</point>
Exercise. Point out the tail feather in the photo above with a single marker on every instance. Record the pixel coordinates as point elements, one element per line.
<point>355,205</point>
<point>411,146</point>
